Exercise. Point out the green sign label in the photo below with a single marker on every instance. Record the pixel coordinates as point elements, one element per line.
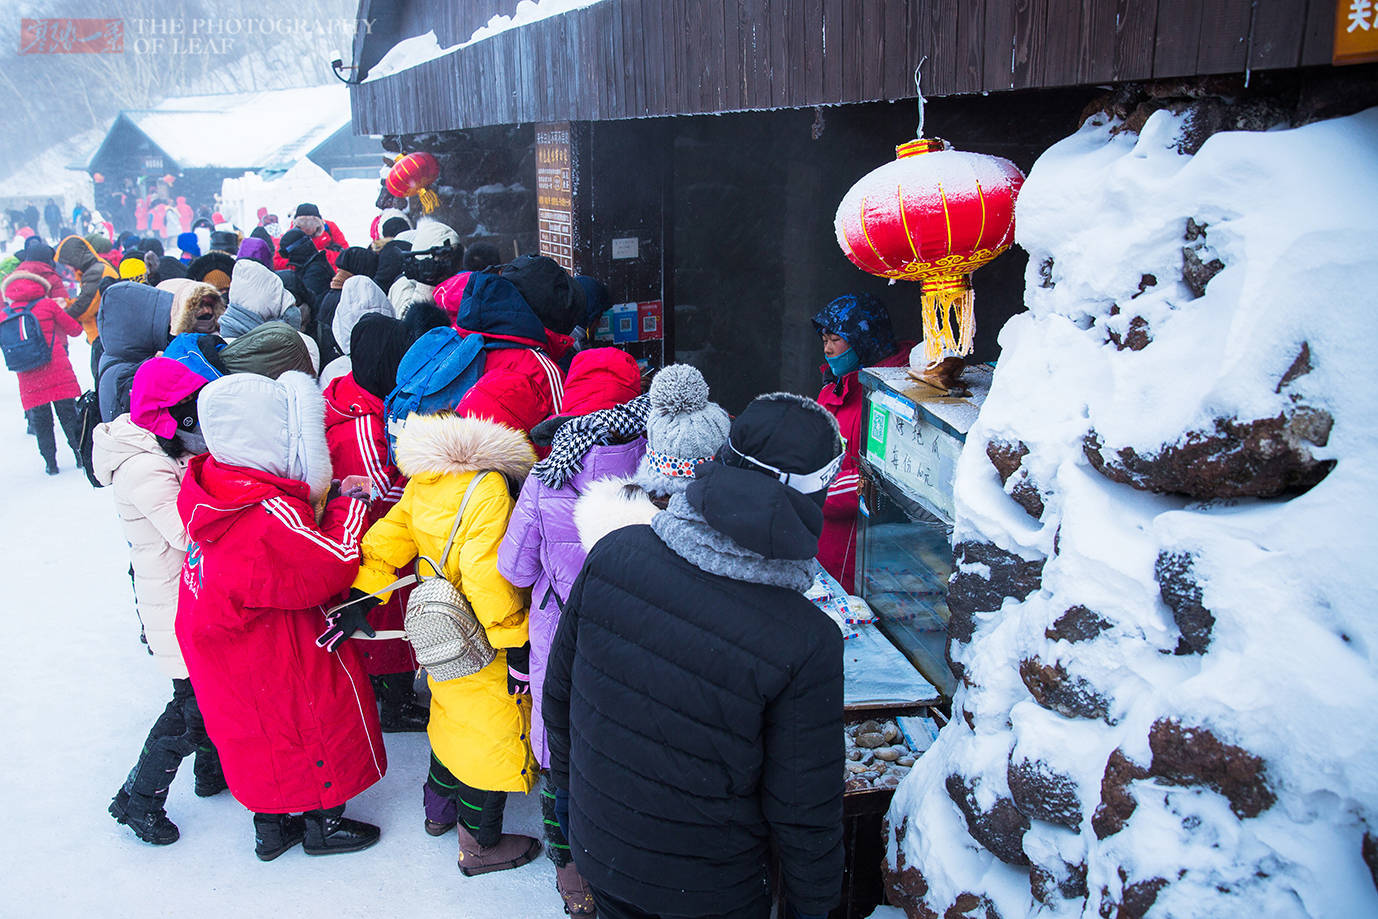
<point>878,432</point>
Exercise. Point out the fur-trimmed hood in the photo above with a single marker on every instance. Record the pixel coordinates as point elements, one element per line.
<point>453,444</point>
<point>193,299</point>
<point>610,504</point>
<point>22,286</point>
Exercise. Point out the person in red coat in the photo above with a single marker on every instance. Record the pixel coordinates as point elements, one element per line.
<point>325,234</point>
<point>296,725</point>
<point>37,258</point>
<point>856,333</point>
<point>354,431</point>
<point>53,387</point>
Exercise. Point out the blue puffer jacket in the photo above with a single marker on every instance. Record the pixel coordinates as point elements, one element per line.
<point>135,323</point>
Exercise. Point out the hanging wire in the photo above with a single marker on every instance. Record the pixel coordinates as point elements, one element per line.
<point>917,76</point>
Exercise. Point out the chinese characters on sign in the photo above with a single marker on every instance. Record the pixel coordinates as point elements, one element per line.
<point>71,36</point>
<point>1356,32</point>
<point>555,194</point>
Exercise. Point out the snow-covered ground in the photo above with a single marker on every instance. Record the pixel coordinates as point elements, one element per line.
<point>79,694</point>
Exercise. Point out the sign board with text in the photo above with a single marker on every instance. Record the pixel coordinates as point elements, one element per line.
<point>555,193</point>
<point>1356,32</point>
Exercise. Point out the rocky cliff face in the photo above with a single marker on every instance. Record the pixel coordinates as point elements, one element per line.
<point>1164,607</point>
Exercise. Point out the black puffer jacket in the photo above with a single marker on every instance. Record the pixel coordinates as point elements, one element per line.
<point>694,719</point>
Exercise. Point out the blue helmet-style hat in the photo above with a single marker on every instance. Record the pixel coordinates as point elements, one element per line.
<point>863,322</point>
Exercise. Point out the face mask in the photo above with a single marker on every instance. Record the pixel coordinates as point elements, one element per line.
<point>844,363</point>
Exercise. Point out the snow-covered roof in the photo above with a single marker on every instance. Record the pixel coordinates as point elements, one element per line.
<point>244,130</point>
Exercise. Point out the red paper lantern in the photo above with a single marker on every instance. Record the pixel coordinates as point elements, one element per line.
<point>933,215</point>
<point>411,175</point>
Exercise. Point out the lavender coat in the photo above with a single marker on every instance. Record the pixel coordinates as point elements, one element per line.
<point>541,550</point>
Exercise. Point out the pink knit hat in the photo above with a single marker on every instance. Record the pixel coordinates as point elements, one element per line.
<point>159,384</point>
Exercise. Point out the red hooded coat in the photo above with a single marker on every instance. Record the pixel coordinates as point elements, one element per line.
<point>54,380</point>
<point>358,446</point>
<point>296,726</point>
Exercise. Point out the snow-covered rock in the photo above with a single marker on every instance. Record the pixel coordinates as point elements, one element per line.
<point>1164,613</point>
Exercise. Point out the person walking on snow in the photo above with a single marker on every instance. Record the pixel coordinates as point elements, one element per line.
<point>51,388</point>
<point>296,726</point>
<point>144,456</point>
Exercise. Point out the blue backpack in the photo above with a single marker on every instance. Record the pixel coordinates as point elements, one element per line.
<point>435,373</point>
<point>22,341</point>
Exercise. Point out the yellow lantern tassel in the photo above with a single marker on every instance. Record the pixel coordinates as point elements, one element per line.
<point>429,200</point>
<point>949,317</point>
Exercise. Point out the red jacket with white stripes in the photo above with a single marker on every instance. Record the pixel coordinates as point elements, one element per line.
<point>296,726</point>
<point>846,399</point>
<point>354,434</point>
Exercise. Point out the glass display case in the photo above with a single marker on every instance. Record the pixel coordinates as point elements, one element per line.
<point>914,437</point>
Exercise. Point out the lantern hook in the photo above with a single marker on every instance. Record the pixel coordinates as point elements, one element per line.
<point>917,76</point>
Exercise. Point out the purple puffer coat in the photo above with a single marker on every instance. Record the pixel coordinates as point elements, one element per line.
<point>541,550</point>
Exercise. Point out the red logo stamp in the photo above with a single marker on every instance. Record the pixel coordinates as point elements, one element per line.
<point>71,36</point>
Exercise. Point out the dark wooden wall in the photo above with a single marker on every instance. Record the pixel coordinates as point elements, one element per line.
<point>636,58</point>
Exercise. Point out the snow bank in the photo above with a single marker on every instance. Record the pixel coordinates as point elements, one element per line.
<point>1175,716</point>
<point>348,202</point>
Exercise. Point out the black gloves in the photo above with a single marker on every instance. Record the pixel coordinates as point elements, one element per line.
<point>347,620</point>
<point>519,670</point>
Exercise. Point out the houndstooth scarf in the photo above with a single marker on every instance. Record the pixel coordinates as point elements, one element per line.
<point>618,424</point>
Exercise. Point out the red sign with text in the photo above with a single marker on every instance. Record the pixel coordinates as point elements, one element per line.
<point>71,36</point>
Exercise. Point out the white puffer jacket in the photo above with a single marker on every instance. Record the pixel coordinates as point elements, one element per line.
<point>146,482</point>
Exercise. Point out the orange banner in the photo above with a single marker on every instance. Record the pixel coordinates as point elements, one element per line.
<point>1356,32</point>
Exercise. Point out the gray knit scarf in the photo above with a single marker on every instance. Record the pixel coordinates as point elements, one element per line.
<point>577,436</point>
<point>690,537</point>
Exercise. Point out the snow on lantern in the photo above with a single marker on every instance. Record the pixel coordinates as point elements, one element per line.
<point>411,175</point>
<point>934,215</point>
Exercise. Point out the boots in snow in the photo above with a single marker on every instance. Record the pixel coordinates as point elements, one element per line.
<point>274,834</point>
<point>398,710</point>
<point>575,891</point>
<point>51,468</point>
<point>210,778</point>
<point>147,819</point>
<point>442,813</point>
<point>329,832</point>
<point>510,851</point>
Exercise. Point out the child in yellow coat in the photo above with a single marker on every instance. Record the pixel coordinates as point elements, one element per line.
<point>480,724</point>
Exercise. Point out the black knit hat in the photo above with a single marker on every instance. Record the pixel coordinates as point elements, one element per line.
<point>296,246</point>
<point>38,252</point>
<point>765,489</point>
<point>224,241</point>
<point>394,225</point>
<point>357,260</point>
<point>151,244</point>
<point>307,210</point>
<point>376,346</point>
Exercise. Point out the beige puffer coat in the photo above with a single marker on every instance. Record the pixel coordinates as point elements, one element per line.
<point>146,482</point>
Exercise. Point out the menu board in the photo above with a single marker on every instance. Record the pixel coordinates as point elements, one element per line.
<point>555,193</point>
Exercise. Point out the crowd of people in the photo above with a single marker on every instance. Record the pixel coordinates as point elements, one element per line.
<point>291,426</point>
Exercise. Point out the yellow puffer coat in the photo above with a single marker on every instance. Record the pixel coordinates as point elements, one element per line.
<point>477,730</point>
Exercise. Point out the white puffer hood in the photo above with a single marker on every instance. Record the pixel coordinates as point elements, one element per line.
<point>275,426</point>
<point>359,297</point>
<point>255,288</point>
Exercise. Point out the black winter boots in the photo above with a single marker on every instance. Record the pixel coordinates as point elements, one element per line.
<point>329,832</point>
<point>147,819</point>
<point>274,834</point>
<point>398,709</point>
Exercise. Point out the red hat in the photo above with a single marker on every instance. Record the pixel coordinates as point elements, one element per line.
<point>507,397</point>
<point>600,378</point>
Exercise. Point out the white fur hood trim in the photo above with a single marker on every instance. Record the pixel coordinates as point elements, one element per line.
<point>454,444</point>
<point>610,504</point>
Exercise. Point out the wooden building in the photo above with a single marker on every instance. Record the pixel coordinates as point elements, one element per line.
<point>714,138</point>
